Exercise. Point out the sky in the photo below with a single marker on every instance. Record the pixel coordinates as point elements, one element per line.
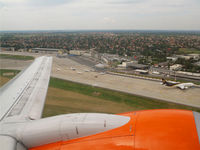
<point>99,15</point>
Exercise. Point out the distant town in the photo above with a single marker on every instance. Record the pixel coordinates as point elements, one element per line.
<point>174,54</point>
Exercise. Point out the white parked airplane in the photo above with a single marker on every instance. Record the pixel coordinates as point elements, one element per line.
<point>179,85</point>
<point>86,70</point>
<point>102,73</point>
<point>72,68</point>
<point>79,72</point>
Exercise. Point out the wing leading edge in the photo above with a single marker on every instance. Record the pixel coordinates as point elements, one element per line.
<point>24,96</point>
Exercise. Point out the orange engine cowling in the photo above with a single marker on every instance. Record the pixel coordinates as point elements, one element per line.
<point>146,130</point>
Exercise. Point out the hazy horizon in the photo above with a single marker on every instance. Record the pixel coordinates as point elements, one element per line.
<point>34,15</point>
<point>101,30</point>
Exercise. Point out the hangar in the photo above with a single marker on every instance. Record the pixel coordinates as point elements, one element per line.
<point>45,50</point>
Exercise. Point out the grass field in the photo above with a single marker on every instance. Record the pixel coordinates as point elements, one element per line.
<point>63,101</point>
<point>8,73</point>
<point>16,57</point>
<point>3,80</point>
<point>69,97</point>
<point>188,51</point>
<point>77,97</point>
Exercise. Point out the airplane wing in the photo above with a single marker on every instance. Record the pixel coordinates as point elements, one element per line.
<point>23,97</point>
<point>182,87</point>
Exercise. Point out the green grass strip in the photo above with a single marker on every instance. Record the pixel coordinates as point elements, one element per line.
<point>16,57</point>
<point>135,101</point>
<point>7,71</point>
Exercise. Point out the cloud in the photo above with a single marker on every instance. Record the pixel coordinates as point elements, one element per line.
<point>100,14</point>
<point>49,2</point>
<point>12,1</point>
<point>35,3</point>
<point>122,2</point>
<point>1,5</point>
<point>109,20</point>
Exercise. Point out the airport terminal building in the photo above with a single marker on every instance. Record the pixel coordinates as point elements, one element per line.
<point>45,50</point>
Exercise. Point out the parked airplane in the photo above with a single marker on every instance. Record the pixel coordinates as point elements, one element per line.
<point>79,72</point>
<point>72,68</point>
<point>179,85</point>
<point>102,73</point>
<point>21,127</point>
<point>86,70</point>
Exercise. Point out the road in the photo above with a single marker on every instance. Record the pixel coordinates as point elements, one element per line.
<point>173,74</point>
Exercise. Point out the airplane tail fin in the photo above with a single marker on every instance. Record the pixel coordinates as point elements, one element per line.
<point>163,81</point>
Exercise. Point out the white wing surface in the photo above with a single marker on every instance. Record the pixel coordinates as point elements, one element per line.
<point>181,86</point>
<point>24,96</point>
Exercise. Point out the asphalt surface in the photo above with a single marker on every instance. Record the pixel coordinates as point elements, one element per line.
<point>144,87</point>
<point>82,72</point>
